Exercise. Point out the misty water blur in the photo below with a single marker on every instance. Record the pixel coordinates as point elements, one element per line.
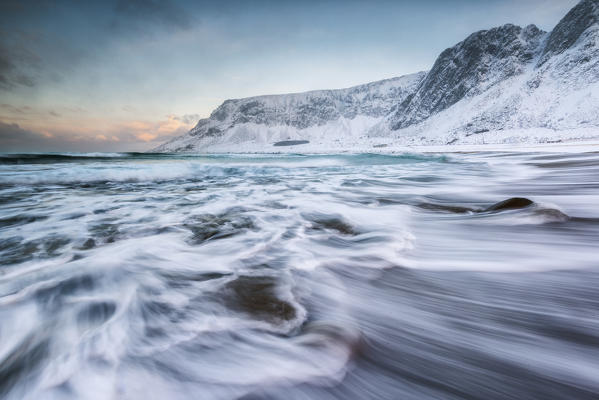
<point>299,277</point>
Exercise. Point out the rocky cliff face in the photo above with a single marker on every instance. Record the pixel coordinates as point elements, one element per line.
<point>498,83</point>
<point>469,68</point>
<point>292,113</point>
<point>580,22</point>
<point>571,53</point>
<point>301,110</point>
<point>496,86</point>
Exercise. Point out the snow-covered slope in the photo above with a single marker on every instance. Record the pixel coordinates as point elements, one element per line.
<point>471,67</point>
<point>321,114</point>
<point>550,94</point>
<point>504,85</point>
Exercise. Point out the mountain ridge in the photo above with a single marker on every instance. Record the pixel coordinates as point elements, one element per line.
<point>464,68</point>
<point>298,111</point>
<point>495,81</point>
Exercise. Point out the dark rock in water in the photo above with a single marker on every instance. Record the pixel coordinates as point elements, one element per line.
<point>54,243</point>
<point>291,142</point>
<point>76,256</point>
<point>256,296</point>
<point>445,208</point>
<point>511,204</point>
<point>514,203</point>
<point>88,244</point>
<point>185,279</point>
<point>211,227</point>
<point>331,222</point>
<point>15,250</point>
<point>21,219</point>
<point>105,232</point>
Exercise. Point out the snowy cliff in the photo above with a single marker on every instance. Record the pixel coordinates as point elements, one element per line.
<point>471,67</point>
<point>321,114</point>
<point>546,89</point>
<point>503,85</point>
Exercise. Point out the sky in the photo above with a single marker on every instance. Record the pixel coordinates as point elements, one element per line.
<point>118,75</point>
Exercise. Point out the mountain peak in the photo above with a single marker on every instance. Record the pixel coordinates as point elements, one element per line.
<point>287,116</point>
<point>492,86</point>
<point>473,65</point>
<point>568,31</point>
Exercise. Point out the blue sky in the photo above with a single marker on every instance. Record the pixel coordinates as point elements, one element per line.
<point>126,75</point>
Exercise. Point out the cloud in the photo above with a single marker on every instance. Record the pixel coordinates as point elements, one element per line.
<point>187,118</point>
<point>14,138</point>
<point>15,109</point>
<point>125,136</point>
<point>149,13</point>
<point>12,135</point>
<point>161,130</point>
<point>18,63</point>
<point>42,42</point>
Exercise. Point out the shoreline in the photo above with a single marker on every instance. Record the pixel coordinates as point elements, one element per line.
<point>562,147</point>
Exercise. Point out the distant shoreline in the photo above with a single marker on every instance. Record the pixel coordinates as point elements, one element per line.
<point>562,147</point>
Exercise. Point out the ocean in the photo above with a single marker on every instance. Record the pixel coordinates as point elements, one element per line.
<point>348,276</point>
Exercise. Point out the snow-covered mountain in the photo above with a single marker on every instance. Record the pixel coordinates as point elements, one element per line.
<point>264,120</point>
<point>545,89</point>
<point>471,67</point>
<point>502,85</point>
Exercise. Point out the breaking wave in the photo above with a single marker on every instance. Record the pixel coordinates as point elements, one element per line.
<point>408,276</point>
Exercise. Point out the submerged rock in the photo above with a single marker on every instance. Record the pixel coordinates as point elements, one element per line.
<point>513,203</point>
<point>445,208</point>
<point>211,227</point>
<point>331,222</point>
<point>256,295</point>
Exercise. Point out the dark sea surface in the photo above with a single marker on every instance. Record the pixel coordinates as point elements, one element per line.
<point>413,276</point>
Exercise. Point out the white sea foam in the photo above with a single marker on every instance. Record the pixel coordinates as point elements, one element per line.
<point>167,276</point>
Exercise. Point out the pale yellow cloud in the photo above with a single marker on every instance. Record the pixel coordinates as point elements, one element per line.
<point>146,137</point>
<point>148,131</point>
<point>83,130</point>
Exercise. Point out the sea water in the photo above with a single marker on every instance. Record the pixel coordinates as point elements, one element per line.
<point>411,276</point>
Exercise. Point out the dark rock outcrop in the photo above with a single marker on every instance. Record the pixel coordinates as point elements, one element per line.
<point>569,30</point>
<point>473,65</point>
